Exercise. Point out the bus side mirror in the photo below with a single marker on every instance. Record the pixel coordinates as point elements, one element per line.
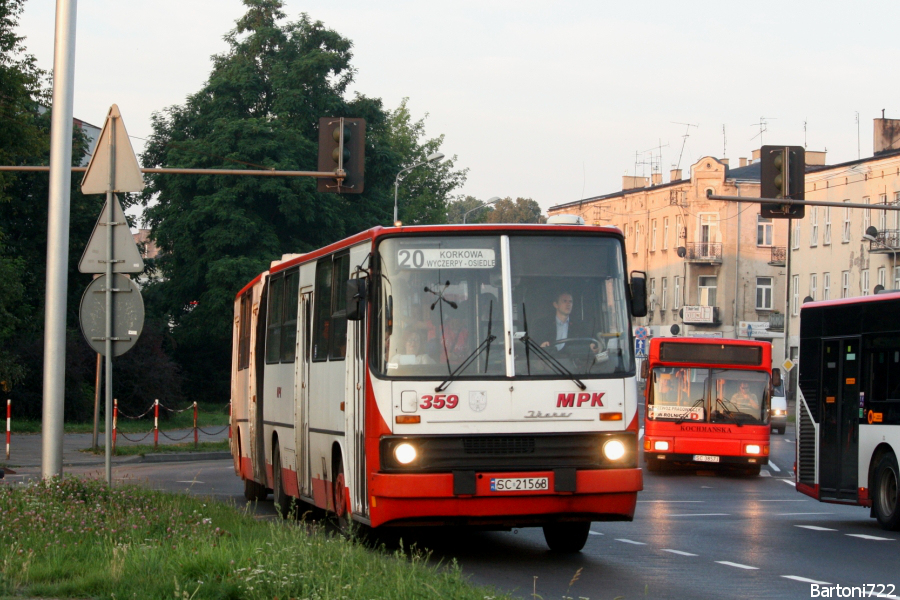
<point>645,370</point>
<point>356,299</point>
<point>776,377</point>
<point>638,294</point>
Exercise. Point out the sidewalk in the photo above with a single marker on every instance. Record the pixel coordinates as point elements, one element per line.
<point>25,450</point>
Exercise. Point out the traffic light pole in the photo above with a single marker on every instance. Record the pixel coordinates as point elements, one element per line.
<point>803,202</point>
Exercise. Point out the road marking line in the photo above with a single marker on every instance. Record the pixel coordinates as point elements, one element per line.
<point>594,533</point>
<point>797,500</point>
<point>815,527</point>
<point>675,501</point>
<point>788,481</point>
<point>789,441</point>
<point>870,537</point>
<point>765,474</point>
<point>630,542</point>
<point>737,565</point>
<point>774,466</point>
<point>640,434</point>
<point>701,515</point>
<point>805,580</point>
<point>191,481</point>
<point>813,513</point>
<point>679,552</point>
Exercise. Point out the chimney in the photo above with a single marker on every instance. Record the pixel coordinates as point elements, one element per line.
<point>724,161</point>
<point>630,182</point>
<point>756,155</point>
<point>815,157</point>
<point>675,175</point>
<point>656,179</point>
<point>742,161</point>
<point>887,135</point>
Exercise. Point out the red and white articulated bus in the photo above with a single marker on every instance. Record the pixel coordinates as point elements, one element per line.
<point>399,377</point>
<point>848,404</point>
<point>707,402</point>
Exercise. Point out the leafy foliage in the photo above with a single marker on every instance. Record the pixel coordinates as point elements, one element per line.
<point>523,210</point>
<point>260,109</point>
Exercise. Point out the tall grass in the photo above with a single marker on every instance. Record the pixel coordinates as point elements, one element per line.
<point>79,538</point>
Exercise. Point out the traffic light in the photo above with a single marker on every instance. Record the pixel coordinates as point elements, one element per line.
<point>783,176</point>
<point>337,134</point>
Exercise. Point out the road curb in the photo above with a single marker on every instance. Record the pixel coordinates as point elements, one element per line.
<point>185,456</point>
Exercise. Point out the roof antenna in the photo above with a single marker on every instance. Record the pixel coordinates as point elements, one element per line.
<point>686,135</point>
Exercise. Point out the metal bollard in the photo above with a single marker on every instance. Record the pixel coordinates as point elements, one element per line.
<point>8,419</point>
<point>115,422</point>
<point>196,433</point>
<point>156,424</point>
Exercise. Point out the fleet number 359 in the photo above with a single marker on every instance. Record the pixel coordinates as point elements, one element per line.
<point>439,401</point>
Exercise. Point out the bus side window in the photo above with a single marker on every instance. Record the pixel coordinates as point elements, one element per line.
<point>322,312</point>
<point>341,273</point>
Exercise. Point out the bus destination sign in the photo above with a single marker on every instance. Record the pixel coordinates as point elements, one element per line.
<point>446,258</point>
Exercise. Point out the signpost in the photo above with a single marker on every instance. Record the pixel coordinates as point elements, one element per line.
<point>112,324</point>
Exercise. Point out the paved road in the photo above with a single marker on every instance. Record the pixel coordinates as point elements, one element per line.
<point>696,535</point>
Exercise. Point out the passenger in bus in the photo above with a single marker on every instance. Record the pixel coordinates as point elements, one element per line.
<point>666,394</point>
<point>743,398</point>
<point>413,352</point>
<point>561,326</point>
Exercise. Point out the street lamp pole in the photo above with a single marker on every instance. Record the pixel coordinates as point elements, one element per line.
<point>428,159</point>
<point>482,205</point>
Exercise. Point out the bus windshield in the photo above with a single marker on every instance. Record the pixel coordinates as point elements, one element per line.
<point>708,395</point>
<point>441,307</point>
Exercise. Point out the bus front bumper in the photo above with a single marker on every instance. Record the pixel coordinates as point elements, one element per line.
<point>700,459</point>
<point>429,499</point>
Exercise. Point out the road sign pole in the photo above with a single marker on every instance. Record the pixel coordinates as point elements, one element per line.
<point>110,218</point>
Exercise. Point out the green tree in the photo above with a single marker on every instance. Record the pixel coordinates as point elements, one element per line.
<point>260,109</point>
<point>457,210</point>
<point>523,210</point>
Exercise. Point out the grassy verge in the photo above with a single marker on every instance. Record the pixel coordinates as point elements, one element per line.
<point>144,449</point>
<point>209,416</point>
<point>78,538</point>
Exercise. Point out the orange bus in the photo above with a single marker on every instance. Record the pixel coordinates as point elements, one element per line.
<point>707,402</point>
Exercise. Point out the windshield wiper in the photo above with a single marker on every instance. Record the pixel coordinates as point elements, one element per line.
<point>730,414</point>
<point>547,358</point>
<point>485,345</point>
<point>693,406</point>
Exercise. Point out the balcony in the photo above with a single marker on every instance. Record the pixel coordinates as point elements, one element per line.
<point>776,321</point>
<point>779,256</point>
<point>709,253</point>
<point>886,242</point>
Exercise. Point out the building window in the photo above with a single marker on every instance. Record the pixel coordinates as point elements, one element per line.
<point>653,235</point>
<point>813,226</point>
<point>867,215</point>
<point>882,217</point>
<point>677,291</point>
<point>896,278</point>
<point>665,233</point>
<point>795,295</point>
<point>882,277</point>
<point>864,282</point>
<point>826,286</point>
<point>845,231</point>
<point>707,288</point>
<point>827,238</point>
<point>795,236</point>
<point>680,232</point>
<point>845,284</point>
<point>637,237</point>
<point>763,231</point>
<point>813,284</point>
<point>664,299</point>
<point>653,297</point>
<point>763,293</point>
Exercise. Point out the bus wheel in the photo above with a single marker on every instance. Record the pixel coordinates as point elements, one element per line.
<point>254,491</point>
<point>886,495</point>
<point>339,491</point>
<point>566,537</point>
<point>280,498</point>
<point>754,470</point>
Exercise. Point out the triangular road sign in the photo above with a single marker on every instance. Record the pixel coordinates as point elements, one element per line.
<point>124,249</point>
<point>128,172</point>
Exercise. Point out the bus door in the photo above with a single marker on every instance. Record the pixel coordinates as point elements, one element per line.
<point>839,407</point>
<point>354,415</point>
<point>301,404</point>
<point>257,431</point>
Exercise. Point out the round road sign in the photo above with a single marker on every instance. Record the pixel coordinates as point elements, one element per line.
<point>127,314</point>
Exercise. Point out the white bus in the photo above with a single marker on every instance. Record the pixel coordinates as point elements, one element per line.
<point>398,377</point>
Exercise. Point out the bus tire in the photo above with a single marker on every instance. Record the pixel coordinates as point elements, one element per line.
<point>566,537</point>
<point>253,491</point>
<point>754,470</point>
<point>339,496</point>
<point>885,494</point>
<point>281,500</point>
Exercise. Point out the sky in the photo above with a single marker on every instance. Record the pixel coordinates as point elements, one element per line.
<point>553,101</point>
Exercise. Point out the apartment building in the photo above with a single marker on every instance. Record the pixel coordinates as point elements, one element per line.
<point>714,268</point>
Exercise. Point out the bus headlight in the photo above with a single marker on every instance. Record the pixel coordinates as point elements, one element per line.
<point>613,450</point>
<point>751,448</point>
<point>405,453</point>
<point>661,445</point>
